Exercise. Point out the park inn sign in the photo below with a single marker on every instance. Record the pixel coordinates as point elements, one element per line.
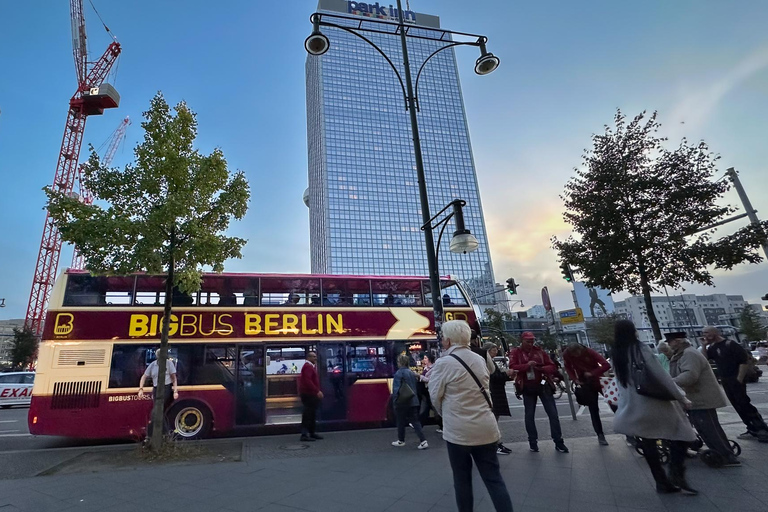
<point>379,11</point>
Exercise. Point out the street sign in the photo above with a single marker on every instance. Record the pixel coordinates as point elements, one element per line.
<point>545,299</point>
<point>571,316</point>
<point>552,329</point>
<point>574,327</point>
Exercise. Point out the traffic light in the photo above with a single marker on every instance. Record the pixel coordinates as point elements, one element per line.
<point>565,269</point>
<point>512,286</point>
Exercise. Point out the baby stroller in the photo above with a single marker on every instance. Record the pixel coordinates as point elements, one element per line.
<point>709,457</point>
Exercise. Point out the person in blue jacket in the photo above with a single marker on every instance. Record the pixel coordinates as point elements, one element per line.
<point>406,403</point>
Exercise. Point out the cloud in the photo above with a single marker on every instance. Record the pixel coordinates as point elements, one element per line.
<point>699,103</point>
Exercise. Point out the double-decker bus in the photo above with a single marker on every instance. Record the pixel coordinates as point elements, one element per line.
<point>238,345</point>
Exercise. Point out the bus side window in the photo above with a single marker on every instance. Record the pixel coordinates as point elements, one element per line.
<point>368,360</point>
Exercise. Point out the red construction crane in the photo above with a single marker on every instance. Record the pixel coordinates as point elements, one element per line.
<point>92,97</point>
<point>85,195</point>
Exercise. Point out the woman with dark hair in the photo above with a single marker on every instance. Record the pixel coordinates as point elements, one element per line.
<point>651,419</point>
<point>428,362</point>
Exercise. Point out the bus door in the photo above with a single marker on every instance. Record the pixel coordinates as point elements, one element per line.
<point>249,407</point>
<point>333,381</point>
<point>283,364</point>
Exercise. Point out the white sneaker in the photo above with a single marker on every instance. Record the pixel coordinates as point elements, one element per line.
<point>398,443</point>
<point>423,445</point>
<point>439,431</point>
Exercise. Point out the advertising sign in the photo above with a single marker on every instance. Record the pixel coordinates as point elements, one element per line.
<point>594,302</point>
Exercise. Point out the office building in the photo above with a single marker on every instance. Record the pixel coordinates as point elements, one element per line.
<point>363,195</point>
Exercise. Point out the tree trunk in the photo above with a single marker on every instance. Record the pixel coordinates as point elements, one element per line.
<point>646,289</point>
<point>158,408</point>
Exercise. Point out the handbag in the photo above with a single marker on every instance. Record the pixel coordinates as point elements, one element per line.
<point>646,384</point>
<point>404,395</point>
<point>582,397</point>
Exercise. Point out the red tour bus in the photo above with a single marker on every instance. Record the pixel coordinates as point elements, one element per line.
<point>238,345</point>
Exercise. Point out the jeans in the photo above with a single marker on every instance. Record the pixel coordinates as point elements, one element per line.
<point>707,425</point>
<point>309,415</point>
<point>548,402</point>
<point>487,462</point>
<point>167,399</point>
<point>405,415</point>
<point>593,404</point>
<point>425,407</point>
<point>737,394</point>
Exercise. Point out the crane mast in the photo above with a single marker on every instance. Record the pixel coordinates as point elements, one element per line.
<point>92,97</point>
<point>85,195</point>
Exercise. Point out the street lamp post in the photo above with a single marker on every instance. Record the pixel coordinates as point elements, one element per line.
<point>317,44</point>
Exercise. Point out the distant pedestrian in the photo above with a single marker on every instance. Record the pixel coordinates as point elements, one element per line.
<point>498,385</point>
<point>733,364</point>
<point>171,391</point>
<point>651,419</point>
<point>585,367</point>
<point>458,387</point>
<point>406,402</point>
<point>534,373</point>
<point>664,355</point>
<point>691,371</point>
<point>428,362</point>
<point>310,394</point>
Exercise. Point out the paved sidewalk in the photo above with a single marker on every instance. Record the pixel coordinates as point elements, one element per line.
<point>359,471</point>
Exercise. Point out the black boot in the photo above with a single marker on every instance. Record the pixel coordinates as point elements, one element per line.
<point>677,478</point>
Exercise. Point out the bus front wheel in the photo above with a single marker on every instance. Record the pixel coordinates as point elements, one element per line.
<point>190,420</point>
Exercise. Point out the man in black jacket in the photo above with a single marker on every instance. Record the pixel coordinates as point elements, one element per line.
<point>732,365</point>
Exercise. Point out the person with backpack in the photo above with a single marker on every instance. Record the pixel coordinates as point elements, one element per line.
<point>406,403</point>
<point>733,364</point>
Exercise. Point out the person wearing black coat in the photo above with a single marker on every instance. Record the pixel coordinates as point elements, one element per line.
<point>498,385</point>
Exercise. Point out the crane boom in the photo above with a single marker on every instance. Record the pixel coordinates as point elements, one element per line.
<point>89,99</point>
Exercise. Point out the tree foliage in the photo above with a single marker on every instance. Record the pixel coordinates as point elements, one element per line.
<point>23,347</point>
<point>601,330</point>
<point>639,213</point>
<point>164,213</point>
<point>751,325</point>
<point>494,329</point>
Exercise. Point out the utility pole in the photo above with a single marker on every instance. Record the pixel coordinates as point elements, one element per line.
<point>751,212</point>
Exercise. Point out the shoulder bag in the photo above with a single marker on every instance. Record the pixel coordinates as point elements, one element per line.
<point>646,384</point>
<point>404,394</point>
<point>477,381</point>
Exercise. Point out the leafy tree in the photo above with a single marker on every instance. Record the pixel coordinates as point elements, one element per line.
<point>165,213</point>
<point>601,330</point>
<point>494,328</point>
<point>23,347</point>
<point>548,341</point>
<point>640,214</point>
<point>751,325</point>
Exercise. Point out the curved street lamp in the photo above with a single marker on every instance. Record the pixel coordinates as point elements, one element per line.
<point>317,44</point>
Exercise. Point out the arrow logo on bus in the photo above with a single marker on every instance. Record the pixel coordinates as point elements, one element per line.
<point>408,322</point>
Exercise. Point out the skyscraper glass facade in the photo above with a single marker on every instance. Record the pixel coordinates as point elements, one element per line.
<point>363,196</point>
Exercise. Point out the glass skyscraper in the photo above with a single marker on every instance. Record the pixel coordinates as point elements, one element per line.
<point>363,195</point>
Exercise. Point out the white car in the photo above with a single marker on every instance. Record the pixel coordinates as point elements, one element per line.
<point>16,388</point>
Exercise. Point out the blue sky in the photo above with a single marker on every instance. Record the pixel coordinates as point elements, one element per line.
<point>566,67</point>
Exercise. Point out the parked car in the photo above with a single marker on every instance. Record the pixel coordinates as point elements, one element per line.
<point>16,388</point>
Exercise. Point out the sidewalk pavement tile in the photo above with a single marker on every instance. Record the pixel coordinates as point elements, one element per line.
<point>741,502</point>
<point>589,506</point>
<point>404,506</point>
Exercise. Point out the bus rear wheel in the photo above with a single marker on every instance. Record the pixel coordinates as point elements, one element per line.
<point>190,420</point>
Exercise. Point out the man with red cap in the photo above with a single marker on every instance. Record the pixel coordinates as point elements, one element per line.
<point>534,369</point>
